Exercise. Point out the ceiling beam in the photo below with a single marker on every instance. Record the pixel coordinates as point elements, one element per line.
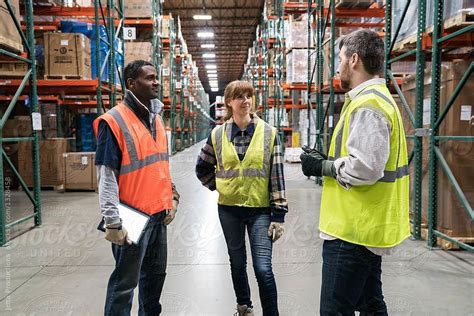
<point>220,19</point>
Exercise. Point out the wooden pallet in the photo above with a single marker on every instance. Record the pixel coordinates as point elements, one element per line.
<point>408,43</point>
<point>445,244</point>
<point>65,77</point>
<point>354,3</point>
<point>456,22</point>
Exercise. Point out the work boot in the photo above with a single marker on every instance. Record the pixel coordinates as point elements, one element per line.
<point>243,310</point>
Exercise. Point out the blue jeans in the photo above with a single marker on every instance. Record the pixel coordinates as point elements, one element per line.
<point>143,264</point>
<point>351,280</point>
<point>234,220</point>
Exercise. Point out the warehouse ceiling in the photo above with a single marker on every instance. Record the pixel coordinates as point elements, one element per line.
<point>234,25</point>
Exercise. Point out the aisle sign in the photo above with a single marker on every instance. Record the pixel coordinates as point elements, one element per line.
<point>129,33</point>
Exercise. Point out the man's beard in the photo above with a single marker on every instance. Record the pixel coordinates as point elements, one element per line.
<point>345,84</point>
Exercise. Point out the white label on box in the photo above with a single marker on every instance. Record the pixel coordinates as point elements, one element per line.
<point>36,119</point>
<point>84,160</point>
<point>64,42</point>
<point>191,99</point>
<point>466,112</point>
<point>331,120</point>
<point>89,26</point>
<point>178,85</point>
<point>166,71</point>
<point>426,111</point>
<point>129,33</point>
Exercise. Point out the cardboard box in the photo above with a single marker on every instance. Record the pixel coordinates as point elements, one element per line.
<point>452,218</point>
<point>18,126</point>
<point>137,51</point>
<point>79,171</point>
<point>165,26</point>
<point>51,161</point>
<point>67,56</point>
<point>138,8</point>
<point>298,35</point>
<point>297,65</point>
<point>10,69</point>
<point>10,38</point>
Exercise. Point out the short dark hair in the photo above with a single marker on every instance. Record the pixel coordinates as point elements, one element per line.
<point>370,48</point>
<point>132,70</point>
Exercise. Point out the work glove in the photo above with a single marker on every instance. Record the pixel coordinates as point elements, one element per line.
<point>117,234</point>
<point>170,214</point>
<point>316,163</point>
<point>275,230</point>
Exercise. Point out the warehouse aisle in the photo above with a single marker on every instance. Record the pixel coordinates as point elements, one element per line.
<point>62,268</point>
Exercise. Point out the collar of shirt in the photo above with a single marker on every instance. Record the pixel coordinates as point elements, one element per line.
<point>354,92</point>
<point>232,129</point>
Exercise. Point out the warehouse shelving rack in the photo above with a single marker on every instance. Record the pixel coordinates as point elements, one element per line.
<point>30,79</point>
<point>440,38</point>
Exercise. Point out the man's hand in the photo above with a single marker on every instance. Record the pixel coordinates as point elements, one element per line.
<point>117,234</point>
<point>275,231</point>
<point>170,214</point>
<point>312,164</point>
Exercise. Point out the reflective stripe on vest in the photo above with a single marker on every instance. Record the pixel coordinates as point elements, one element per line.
<point>135,163</point>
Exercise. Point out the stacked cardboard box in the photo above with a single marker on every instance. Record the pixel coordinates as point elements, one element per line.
<point>67,56</point>
<point>18,126</point>
<point>9,36</point>
<point>79,171</point>
<point>452,218</point>
<point>137,51</point>
<point>298,35</point>
<point>297,65</point>
<point>303,125</point>
<point>138,8</point>
<point>51,161</point>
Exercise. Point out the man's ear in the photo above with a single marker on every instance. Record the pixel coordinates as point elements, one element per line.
<point>130,82</point>
<point>354,60</point>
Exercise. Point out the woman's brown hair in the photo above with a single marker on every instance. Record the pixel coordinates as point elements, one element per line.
<point>233,90</point>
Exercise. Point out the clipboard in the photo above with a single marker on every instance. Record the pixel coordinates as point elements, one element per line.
<point>133,221</point>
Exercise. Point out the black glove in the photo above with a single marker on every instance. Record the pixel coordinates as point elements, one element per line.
<point>313,151</point>
<point>312,164</point>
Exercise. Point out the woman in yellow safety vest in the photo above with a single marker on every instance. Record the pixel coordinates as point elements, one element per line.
<point>243,161</point>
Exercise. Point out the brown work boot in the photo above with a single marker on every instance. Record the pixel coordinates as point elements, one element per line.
<point>243,310</point>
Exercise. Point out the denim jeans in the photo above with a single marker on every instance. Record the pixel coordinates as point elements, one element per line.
<point>351,280</point>
<point>143,264</point>
<point>234,220</point>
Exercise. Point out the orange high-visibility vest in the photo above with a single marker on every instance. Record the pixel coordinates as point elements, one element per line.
<point>144,175</point>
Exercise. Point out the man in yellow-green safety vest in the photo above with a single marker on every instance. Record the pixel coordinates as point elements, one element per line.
<point>364,205</point>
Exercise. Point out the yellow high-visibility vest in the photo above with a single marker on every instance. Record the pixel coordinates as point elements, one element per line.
<point>244,183</point>
<point>371,215</point>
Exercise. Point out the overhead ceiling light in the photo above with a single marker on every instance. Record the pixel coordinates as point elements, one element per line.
<point>209,55</point>
<point>211,66</point>
<point>205,34</point>
<point>211,71</point>
<point>212,75</point>
<point>202,17</point>
<point>213,82</point>
<point>214,89</point>
<point>208,45</point>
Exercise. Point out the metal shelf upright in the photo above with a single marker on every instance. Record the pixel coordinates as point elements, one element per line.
<point>113,21</point>
<point>6,224</point>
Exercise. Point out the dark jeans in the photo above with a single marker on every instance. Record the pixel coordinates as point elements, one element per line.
<point>234,220</point>
<point>351,280</point>
<point>143,264</point>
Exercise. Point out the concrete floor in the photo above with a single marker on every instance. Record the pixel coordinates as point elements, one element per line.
<point>62,267</point>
